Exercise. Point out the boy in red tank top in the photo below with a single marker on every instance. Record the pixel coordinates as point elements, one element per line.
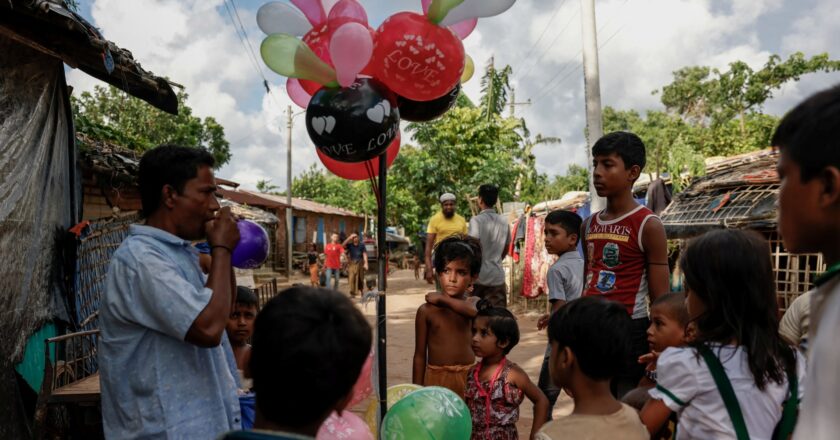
<point>625,253</point>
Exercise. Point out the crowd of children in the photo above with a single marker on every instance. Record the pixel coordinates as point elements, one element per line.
<point>639,362</point>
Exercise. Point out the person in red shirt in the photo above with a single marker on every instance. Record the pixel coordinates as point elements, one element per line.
<point>625,251</point>
<point>333,252</point>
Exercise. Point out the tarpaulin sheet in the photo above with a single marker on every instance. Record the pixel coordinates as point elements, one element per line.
<point>39,201</point>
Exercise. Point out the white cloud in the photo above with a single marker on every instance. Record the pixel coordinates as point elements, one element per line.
<point>642,43</point>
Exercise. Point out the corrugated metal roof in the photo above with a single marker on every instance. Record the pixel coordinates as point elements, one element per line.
<point>311,206</point>
<point>275,201</point>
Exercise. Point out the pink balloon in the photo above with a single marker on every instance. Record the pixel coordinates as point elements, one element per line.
<point>347,426</point>
<point>363,387</point>
<point>462,29</point>
<point>346,11</point>
<point>296,93</point>
<point>351,47</point>
<point>313,10</point>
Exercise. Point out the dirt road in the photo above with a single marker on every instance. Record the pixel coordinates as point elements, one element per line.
<point>405,295</point>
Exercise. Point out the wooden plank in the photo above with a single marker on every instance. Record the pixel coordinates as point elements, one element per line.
<point>85,390</point>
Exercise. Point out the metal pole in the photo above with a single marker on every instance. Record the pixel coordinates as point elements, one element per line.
<point>592,86</point>
<point>289,236</point>
<point>383,285</point>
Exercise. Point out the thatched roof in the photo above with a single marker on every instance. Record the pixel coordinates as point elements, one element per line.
<point>49,27</point>
<point>736,192</point>
<point>105,159</point>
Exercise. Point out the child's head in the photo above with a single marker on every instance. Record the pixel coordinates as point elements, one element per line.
<point>589,336</point>
<point>809,169</point>
<point>494,330</point>
<point>618,159</point>
<point>731,297</point>
<point>668,319</point>
<point>308,349</point>
<point>488,194</point>
<point>240,324</point>
<point>457,263</point>
<point>562,229</point>
<point>334,238</point>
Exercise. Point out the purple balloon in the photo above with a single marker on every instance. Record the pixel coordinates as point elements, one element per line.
<point>252,249</point>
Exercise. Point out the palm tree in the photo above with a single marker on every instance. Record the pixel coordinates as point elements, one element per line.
<point>528,159</point>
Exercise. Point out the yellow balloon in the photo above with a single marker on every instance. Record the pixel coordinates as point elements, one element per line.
<point>469,69</point>
<point>395,393</point>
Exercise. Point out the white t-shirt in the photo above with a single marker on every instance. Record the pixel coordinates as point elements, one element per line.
<point>686,386</point>
<point>819,416</point>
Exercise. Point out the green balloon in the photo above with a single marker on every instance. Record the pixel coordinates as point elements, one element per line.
<point>439,8</point>
<point>431,413</point>
<point>291,57</point>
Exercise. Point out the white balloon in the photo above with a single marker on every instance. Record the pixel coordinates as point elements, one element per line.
<point>278,17</point>
<point>476,9</point>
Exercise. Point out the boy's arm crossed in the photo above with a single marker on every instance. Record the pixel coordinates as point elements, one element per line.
<point>418,371</point>
<point>656,257</point>
<point>466,307</point>
<point>534,394</point>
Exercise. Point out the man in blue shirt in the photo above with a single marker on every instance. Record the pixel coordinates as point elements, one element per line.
<point>357,263</point>
<point>166,366</point>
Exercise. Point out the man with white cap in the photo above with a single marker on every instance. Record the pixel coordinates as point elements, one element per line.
<point>443,224</point>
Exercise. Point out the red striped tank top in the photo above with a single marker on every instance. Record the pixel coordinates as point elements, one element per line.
<point>616,260</point>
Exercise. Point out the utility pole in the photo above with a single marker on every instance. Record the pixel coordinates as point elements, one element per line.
<point>513,102</point>
<point>592,86</point>
<point>289,236</point>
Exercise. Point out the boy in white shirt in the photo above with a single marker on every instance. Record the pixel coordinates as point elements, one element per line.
<point>809,209</point>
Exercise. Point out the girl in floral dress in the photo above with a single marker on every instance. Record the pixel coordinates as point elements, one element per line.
<point>497,386</point>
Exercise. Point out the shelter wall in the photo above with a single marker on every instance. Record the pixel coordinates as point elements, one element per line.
<point>100,198</point>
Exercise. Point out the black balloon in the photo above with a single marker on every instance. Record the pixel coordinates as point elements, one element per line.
<point>355,123</point>
<point>423,111</point>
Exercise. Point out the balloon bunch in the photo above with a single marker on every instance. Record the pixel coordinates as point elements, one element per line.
<point>357,83</point>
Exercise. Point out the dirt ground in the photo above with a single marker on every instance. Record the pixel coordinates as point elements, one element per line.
<point>405,295</point>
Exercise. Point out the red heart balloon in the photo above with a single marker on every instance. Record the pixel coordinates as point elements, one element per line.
<point>417,59</point>
<point>359,170</point>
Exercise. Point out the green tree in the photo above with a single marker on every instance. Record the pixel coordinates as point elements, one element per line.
<point>495,85</point>
<point>709,96</point>
<point>265,186</point>
<point>109,114</point>
<point>672,144</point>
<point>575,179</point>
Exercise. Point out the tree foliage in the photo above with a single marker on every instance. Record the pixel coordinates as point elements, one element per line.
<point>709,96</point>
<point>710,112</point>
<point>575,179</point>
<point>112,115</point>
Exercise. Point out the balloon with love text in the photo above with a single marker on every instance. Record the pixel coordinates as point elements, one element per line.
<point>355,123</point>
<point>417,59</point>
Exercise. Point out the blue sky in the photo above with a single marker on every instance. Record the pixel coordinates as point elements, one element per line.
<point>641,42</point>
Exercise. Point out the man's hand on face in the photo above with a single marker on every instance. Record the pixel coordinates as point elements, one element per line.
<point>222,230</point>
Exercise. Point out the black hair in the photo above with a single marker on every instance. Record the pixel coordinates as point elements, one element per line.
<point>674,302</point>
<point>246,296</point>
<point>597,331</point>
<point>568,220</point>
<point>170,165</point>
<point>501,322</point>
<point>627,145</point>
<point>731,273</point>
<point>309,343</point>
<point>489,194</point>
<point>458,247</point>
<point>810,133</point>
